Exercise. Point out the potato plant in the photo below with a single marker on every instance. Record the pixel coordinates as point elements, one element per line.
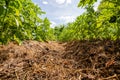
<point>101,24</point>
<point>20,20</point>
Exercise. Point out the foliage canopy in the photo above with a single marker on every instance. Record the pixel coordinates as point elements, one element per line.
<point>20,20</point>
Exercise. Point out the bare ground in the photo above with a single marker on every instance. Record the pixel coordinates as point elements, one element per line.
<point>76,60</point>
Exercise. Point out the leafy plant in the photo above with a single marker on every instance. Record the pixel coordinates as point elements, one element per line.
<point>20,20</point>
<point>101,24</point>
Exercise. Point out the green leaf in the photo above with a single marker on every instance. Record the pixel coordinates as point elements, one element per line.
<point>17,23</point>
<point>83,3</point>
<point>1,10</point>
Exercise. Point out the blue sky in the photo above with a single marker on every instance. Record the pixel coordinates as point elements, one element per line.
<point>60,11</point>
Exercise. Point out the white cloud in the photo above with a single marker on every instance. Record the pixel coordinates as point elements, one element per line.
<point>67,19</point>
<point>68,1</point>
<point>53,24</point>
<point>45,2</point>
<point>60,1</point>
<point>64,1</point>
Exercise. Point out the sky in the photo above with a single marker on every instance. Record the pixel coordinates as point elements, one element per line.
<point>60,11</point>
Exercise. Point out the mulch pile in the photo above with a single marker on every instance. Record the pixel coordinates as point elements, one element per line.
<point>76,60</point>
<point>96,60</point>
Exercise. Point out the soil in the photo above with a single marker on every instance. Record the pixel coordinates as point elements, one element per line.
<point>75,60</point>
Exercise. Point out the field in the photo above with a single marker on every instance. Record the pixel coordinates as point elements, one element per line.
<point>75,60</point>
<point>59,39</point>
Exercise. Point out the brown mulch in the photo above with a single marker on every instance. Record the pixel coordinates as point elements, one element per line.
<point>76,60</point>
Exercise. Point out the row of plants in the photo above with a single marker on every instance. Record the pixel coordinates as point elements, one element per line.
<point>20,20</point>
<point>101,24</point>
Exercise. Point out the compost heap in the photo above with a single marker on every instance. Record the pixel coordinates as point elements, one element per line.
<point>75,60</point>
